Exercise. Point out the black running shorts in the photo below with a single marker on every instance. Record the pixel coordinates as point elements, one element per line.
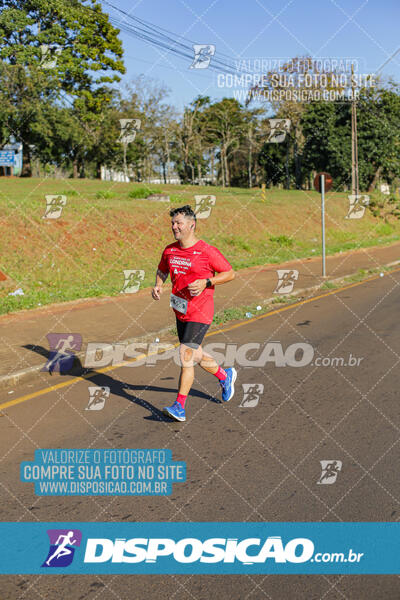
<point>191,333</point>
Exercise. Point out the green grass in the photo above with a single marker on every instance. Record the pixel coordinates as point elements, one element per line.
<point>179,199</point>
<point>105,228</point>
<point>106,195</point>
<point>282,240</point>
<point>385,229</point>
<point>239,243</point>
<point>327,285</point>
<point>141,192</point>
<point>359,276</point>
<point>241,312</point>
<point>70,192</point>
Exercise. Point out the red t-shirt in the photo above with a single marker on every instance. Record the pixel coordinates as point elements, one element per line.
<point>185,265</point>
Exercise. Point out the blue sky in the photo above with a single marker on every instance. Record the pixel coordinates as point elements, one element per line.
<point>367,30</point>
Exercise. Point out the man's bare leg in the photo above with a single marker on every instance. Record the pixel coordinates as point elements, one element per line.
<point>186,379</point>
<point>208,363</point>
<point>188,357</point>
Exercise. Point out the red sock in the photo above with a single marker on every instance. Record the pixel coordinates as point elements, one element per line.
<point>220,374</point>
<point>181,399</point>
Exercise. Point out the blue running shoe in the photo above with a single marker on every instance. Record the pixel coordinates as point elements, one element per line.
<point>175,412</point>
<point>228,385</point>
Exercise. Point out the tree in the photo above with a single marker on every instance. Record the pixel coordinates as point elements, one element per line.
<point>379,135</point>
<point>272,159</point>
<point>164,141</point>
<point>327,129</point>
<point>245,161</point>
<point>193,141</point>
<point>288,94</point>
<point>225,127</point>
<point>73,34</point>
<point>145,100</point>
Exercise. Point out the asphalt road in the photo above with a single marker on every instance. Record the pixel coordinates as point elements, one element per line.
<point>244,463</point>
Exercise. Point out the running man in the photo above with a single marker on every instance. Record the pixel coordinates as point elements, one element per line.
<point>63,350</point>
<point>193,265</point>
<point>62,549</point>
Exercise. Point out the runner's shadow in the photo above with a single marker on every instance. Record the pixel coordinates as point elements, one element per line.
<point>64,363</point>
<point>38,349</point>
<point>117,387</point>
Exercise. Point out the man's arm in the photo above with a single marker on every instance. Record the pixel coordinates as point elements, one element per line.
<point>157,289</point>
<point>196,287</point>
<point>223,277</point>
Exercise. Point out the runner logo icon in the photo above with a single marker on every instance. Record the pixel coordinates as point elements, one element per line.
<point>357,206</point>
<point>50,54</point>
<point>330,470</point>
<point>279,129</point>
<point>129,128</point>
<point>286,280</point>
<point>62,351</point>
<point>133,279</point>
<point>97,397</point>
<point>202,55</point>
<point>251,394</point>
<point>62,547</point>
<point>54,206</point>
<point>204,206</point>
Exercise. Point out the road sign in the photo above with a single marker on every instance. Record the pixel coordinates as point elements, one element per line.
<point>7,158</point>
<point>328,181</point>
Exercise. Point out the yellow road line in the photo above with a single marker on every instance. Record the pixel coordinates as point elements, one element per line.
<point>235,326</point>
<point>278,310</point>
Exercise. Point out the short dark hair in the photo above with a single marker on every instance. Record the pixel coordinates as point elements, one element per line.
<point>186,210</point>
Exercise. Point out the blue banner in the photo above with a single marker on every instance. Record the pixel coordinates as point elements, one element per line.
<point>200,548</point>
<point>7,158</point>
<point>103,472</point>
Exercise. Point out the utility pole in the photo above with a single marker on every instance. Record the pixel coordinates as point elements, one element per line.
<point>287,165</point>
<point>125,165</point>
<point>354,144</point>
<point>323,183</point>
<point>323,223</point>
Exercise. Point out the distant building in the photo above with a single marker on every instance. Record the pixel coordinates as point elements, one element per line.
<point>385,188</point>
<point>108,174</point>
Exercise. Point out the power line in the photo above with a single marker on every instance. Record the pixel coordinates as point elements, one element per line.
<point>388,60</point>
<point>155,27</point>
<point>165,39</point>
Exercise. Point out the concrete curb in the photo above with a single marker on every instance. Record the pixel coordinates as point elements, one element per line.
<point>31,373</point>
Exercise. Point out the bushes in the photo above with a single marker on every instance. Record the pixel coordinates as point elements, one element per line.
<point>281,240</point>
<point>179,199</point>
<point>107,195</point>
<point>385,206</point>
<point>142,192</point>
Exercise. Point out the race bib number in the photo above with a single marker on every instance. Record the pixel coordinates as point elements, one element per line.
<point>179,304</point>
